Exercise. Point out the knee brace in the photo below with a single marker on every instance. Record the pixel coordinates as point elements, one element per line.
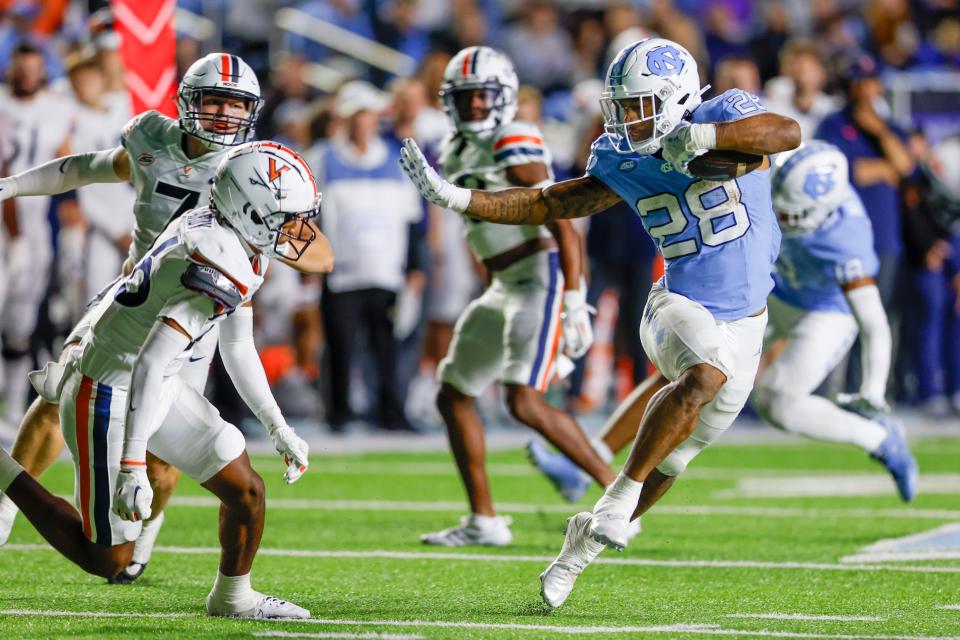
<point>710,426</point>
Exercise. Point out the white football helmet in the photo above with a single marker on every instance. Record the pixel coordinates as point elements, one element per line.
<point>266,193</point>
<point>225,75</point>
<point>808,184</point>
<point>659,79</point>
<point>479,68</point>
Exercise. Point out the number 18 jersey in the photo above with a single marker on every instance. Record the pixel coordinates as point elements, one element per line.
<point>166,181</point>
<point>719,240</point>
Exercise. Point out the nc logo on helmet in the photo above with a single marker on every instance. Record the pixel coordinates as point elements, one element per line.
<point>665,61</point>
<point>819,182</point>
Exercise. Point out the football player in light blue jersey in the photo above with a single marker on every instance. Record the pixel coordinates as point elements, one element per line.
<point>704,321</point>
<point>825,295</point>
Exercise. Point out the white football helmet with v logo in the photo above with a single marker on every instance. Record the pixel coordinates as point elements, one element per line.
<point>659,80</point>
<point>266,193</point>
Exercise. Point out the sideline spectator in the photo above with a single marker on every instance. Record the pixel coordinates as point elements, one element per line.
<point>798,91</point>
<point>368,204</point>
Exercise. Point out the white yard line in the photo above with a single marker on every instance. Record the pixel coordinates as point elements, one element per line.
<point>804,616</point>
<point>487,557</point>
<point>949,607</point>
<point>826,484</point>
<point>521,507</point>
<point>675,629</point>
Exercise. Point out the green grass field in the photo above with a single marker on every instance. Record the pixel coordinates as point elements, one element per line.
<point>724,556</point>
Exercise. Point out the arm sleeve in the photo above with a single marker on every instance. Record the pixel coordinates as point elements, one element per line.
<point>243,365</point>
<point>65,174</point>
<point>149,398</point>
<point>875,339</point>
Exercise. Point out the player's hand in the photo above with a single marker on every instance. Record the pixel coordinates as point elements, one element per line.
<point>869,408</point>
<point>431,185</point>
<point>133,496</point>
<point>294,450</point>
<point>8,189</point>
<point>686,142</point>
<point>577,330</point>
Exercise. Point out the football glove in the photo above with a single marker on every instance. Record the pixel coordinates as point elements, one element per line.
<point>686,142</point>
<point>577,330</point>
<point>293,449</point>
<point>133,495</point>
<point>431,185</point>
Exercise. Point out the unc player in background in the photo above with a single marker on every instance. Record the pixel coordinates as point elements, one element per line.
<point>38,121</point>
<point>121,394</point>
<point>704,321</point>
<point>170,164</point>
<point>512,332</point>
<point>825,295</point>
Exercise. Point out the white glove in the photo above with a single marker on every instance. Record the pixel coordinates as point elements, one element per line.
<point>431,185</point>
<point>858,403</point>
<point>577,330</point>
<point>8,188</point>
<point>686,142</point>
<point>294,451</point>
<point>133,497</point>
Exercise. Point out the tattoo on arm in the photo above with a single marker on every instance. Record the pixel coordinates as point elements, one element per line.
<point>575,198</point>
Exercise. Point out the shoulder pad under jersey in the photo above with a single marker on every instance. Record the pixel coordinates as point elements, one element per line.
<point>148,129</point>
<point>517,143</point>
<point>209,243</point>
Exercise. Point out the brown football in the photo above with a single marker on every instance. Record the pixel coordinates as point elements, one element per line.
<point>723,165</point>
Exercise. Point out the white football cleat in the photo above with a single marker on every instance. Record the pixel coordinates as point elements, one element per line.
<point>8,513</point>
<point>578,550</point>
<point>474,530</point>
<point>267,607</point>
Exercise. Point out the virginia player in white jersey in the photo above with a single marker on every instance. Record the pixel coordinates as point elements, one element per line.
<point>170,164</point>
<point>38,122</point>
<point>825,296</point>
<point>121,394</point>
<point>704,321</point>
<point>512,332</point>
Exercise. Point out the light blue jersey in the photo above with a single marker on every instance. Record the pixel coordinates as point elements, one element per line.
<point>718,239</point>
<point>812,267</point>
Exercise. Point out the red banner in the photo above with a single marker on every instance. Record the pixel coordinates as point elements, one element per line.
<point>147,48</point>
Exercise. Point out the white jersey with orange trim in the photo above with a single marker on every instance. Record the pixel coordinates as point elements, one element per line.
<point>167,182</point>
<point>483,164</point>
<point>160,286</point>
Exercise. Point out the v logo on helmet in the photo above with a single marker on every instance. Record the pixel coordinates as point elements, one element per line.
<point>665,61</point>
<point>275,171</point>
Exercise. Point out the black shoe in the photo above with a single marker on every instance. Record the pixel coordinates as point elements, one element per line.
<point>402,425</point>
<point>129,574</point>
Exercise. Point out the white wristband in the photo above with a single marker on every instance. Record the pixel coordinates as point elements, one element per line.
<point>459,198</point>
<point>704,136</point>
<point>574,298</point>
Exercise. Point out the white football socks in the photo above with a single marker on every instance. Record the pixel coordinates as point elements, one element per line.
<point>621,497</point>
<point>234,593</point>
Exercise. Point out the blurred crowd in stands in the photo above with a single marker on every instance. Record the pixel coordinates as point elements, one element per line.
<point>878,78</point>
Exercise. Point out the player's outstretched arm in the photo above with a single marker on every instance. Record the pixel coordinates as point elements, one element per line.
<point>318,257</point>
<point>568,199</point>
<point>863,296</point>
<point>68,173</point>
<point>239,354</point>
